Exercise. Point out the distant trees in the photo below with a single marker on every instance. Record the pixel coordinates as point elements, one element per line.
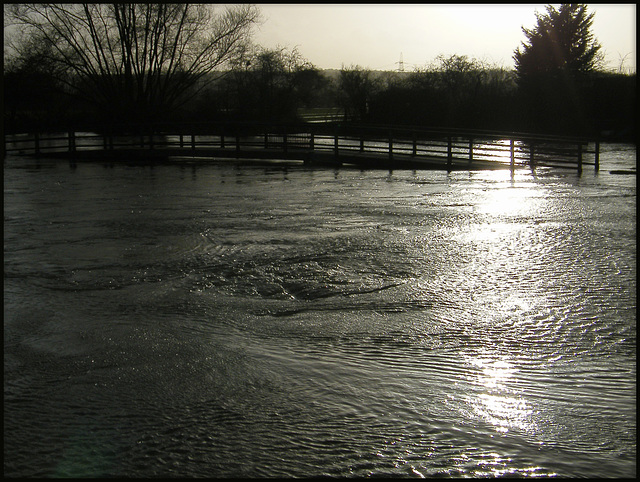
<point>32,92</point>
<point>452,91</point>
<point>459,79</point>
<point>279,80</point>
<point>267,85</point>
<point>132,61</point>
<point>137,62</point>
<point>357,86</point>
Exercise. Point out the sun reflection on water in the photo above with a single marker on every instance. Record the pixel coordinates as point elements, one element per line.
<point>510,200</point>
<point>498,402</point>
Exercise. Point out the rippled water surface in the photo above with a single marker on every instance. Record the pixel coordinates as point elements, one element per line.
<point>225,320</point>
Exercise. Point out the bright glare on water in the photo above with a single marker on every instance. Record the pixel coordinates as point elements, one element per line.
<point>262,321</point>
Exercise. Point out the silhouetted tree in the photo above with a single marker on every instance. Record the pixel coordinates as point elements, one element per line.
<point>282,79</point>
<point>135,61</point>
<point>561,41</point>
<point>459,79</point>
<point>31,93</point>
<point>496,100</point>
<point>553,67</point>
<point>455,91</point>
<point>270,84</point>
<point>357,86</point>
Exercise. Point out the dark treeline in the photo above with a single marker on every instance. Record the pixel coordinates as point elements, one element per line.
<point>572,96</point>
<point>277,86</point>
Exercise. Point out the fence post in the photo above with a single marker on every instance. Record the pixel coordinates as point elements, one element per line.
<point>335,142</point>
<point>449,153</point>
<point>597,160</point>
<point>390,146</point>
<point>470,151</point>
<point>513,158</point>
<point>193,141</point>
<point>222,139</point>
<point>311,140</point>
<point>579,158</point>
<point>36,142</point>
<point>415,144</point>
<point>72,142</point>
<point>181,141</point>
<point>266,140</point>
<point>531,155</point>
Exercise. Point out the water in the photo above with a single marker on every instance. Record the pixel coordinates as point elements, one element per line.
<point>256,321</point>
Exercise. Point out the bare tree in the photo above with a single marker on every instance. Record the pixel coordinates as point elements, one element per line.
<point>459,76</point>
<point>270,84</point>
<point>137,60</point>
<point>357,86</point>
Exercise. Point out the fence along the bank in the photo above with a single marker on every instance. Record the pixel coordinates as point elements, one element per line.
<point>363,145</point>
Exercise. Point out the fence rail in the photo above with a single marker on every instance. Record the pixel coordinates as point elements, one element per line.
<point>366,146</point>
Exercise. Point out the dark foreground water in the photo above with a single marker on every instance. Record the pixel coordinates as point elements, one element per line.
<point>284,321</point>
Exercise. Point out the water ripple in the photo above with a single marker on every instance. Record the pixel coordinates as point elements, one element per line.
<point>260,323</point>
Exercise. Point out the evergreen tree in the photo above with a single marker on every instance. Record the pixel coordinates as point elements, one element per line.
<point>561,42</point>
<point>553,68</point>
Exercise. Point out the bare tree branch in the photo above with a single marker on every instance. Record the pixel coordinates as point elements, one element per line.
<point>141,59</point>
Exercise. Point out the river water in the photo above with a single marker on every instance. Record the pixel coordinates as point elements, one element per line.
<point>260,321</point>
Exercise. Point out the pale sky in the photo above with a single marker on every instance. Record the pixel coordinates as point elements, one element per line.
<point>375,35</point>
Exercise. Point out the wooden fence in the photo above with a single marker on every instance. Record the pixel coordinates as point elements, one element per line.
<point>364,146</point>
